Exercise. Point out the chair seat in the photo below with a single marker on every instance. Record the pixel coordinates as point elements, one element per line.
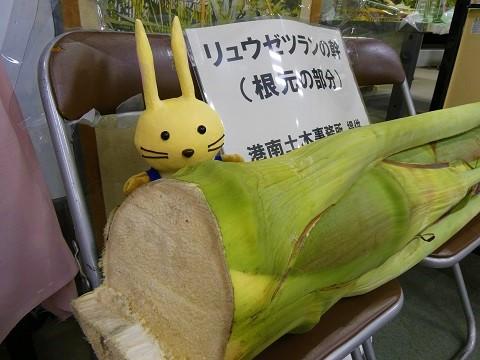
<point>467,237</point>
<point>343,327</point>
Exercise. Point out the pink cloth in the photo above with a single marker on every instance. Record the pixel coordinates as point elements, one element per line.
<point>35,263</point>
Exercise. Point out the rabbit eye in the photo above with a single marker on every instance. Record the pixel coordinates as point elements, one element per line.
<point>165,135</point>
<point>202,129</point>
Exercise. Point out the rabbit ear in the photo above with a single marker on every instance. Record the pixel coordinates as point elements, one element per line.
<point>181,60</point>
<point>147,69</point>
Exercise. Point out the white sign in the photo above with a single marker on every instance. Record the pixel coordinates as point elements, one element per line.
<point>277,84</point>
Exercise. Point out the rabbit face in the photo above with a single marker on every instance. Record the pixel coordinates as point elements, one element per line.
<point>177,132</point>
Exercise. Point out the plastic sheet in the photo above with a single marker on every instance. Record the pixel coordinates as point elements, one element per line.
<point>110,131</point>
<point>36,265</point>
<point>432,16</point>
<point>93,118</point>
<point>157,14</point>
<point>419,15</point>
<point>28,28</point>
<point>35,262</point>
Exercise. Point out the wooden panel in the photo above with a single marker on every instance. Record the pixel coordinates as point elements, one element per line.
<point>71,14</point>
<point>465,82</point>
<point>316,11</point>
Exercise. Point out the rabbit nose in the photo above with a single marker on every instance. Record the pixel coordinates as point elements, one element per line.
<point>188,152</point>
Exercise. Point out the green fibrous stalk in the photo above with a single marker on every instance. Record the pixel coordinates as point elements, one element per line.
<point>338,217</point>
<point>225,258</point>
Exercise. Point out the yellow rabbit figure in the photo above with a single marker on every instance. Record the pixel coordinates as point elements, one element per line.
<point>178,132</point>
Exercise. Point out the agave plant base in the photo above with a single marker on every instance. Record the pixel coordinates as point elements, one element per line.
<point>112,331</point>
<point>165,224</point>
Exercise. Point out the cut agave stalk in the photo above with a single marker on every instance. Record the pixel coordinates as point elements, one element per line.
<point>227,257</point>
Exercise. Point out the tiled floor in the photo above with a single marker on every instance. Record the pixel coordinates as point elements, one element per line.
<point>431,325</point>
<point>57,341</point>
<point>422,87</point>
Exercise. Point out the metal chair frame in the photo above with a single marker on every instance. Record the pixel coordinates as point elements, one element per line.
<point>454,263</point>
<point>366,343</point>
<point>451,262</point>
<point>364,338</point>
<point>71,180</point>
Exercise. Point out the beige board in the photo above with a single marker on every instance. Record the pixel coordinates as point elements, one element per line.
<point>88,14</point>
<point>465,82</point>
<point>118,159</point>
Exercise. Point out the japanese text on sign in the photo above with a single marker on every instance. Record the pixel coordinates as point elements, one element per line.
<point>267,85</point>
<point>277,147</point>
<point>277,84</point>
<point>279,44</point>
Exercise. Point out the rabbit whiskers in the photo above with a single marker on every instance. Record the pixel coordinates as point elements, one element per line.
<point>162,155</point>
<point>216,143</point>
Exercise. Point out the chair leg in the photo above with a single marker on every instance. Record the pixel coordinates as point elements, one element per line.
<point>368,350</point>
<point>357,354</point>
<point>408,97</point>
<point>467,309</point>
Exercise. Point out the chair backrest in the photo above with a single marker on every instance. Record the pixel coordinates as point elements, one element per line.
<point>91,69</point>
<point>376,63</point>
